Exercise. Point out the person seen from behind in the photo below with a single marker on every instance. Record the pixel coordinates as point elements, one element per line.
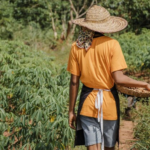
<point>97,61</point>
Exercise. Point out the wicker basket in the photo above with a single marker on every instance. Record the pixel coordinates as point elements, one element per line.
<point>133,92</point>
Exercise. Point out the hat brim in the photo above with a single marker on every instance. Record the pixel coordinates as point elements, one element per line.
<point>112,25</point>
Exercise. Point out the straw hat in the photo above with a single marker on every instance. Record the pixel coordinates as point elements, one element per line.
<point>98,19</point>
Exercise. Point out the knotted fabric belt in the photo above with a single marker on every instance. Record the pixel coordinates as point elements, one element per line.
<point>98,105</point>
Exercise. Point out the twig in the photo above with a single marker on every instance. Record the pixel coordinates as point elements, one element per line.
<point>71,14</point>
<point>82,6</point>
<point>96,1</point>
<point>72,6</point>
<point>35,5</point>
<point>53,24</point>
<point>86,10</point>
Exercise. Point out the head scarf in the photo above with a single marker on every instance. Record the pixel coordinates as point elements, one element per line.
<point>85,39</point>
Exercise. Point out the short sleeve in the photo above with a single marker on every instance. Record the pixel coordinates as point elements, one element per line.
<point>73,66</point>
<point>117,58</point>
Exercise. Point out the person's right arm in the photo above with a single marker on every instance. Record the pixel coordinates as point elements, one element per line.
<point>122,79</point>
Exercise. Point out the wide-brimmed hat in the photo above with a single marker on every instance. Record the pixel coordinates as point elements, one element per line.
<point>99,19</point>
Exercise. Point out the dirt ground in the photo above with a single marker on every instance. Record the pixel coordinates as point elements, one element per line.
<point>126,135</point>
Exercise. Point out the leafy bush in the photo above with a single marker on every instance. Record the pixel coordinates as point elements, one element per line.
<point>6,20</point>
<point>136,12</point>
<point>33,99</point>
<point>142,129</point>
<point>33,36</point>
<point>136,49</point>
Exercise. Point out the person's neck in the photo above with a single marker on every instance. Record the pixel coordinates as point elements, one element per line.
<point>97,34</point>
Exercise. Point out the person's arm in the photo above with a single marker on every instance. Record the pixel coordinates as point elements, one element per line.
<point>74,85</point>
<point>122,79</point>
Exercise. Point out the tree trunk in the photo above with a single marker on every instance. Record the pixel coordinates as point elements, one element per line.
<point>78,15</point>
<point>69,29</point>
<point>63,37</point>
<point>53,26</point>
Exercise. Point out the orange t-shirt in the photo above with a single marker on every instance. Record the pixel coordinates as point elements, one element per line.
<point>94,68</point>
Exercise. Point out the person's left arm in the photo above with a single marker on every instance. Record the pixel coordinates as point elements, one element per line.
<point>74,85</point>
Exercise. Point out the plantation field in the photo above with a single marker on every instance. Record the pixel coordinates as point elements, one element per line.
<point>34,99</point>
<point>35,42</point>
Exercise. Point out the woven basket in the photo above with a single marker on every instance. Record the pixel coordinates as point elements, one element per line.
<point>133,92</point>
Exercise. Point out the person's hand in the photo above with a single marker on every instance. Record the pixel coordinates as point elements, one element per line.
<point>148,87</point>
<point>72,120</point>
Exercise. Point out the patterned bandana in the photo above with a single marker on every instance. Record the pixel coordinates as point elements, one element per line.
<point>85,39</point>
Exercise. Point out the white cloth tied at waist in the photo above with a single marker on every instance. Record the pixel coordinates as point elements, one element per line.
<point>98,105</point>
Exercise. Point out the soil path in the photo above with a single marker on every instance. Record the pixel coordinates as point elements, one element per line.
<point>126,135</point>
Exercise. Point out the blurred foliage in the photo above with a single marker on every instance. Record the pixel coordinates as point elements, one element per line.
<point>44,12</point>
<point>123,104</point>
<point>33,36</point>
<point>142,129</point>
<point>135,11</point>
<point>37,11</point>
<point>54,15</point>
<point>6,20</point>
<point>136,49</point>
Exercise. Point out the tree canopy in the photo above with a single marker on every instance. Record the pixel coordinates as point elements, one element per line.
<point>57,15</point>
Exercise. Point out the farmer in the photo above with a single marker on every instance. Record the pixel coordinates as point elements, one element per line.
<point>98,61</point>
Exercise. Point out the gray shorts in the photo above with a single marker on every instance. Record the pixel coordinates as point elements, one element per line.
<point>92,131</point>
